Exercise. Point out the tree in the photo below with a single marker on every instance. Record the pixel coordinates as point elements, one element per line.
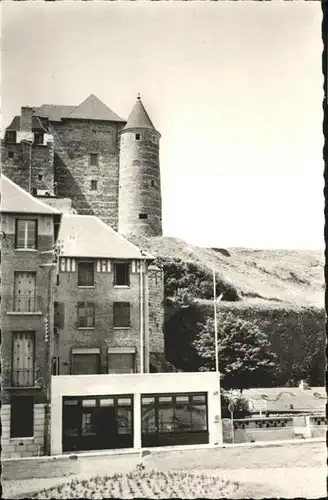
<point>245,356</point>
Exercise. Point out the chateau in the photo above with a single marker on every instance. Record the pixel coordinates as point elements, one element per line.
<point>107,166</point>
<point>82,307</point>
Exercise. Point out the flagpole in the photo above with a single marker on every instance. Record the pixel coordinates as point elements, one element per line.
<point>215,324</point>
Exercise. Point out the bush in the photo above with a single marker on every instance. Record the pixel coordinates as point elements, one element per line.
<point>239,401</point>
<point>196,280</point>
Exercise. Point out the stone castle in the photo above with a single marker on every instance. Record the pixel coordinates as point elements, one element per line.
<point>105,165</point>
<point>87,160</point>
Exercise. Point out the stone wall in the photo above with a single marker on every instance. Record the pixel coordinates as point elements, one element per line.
<point>75,140</point>
<point>140,184</point>
<point>156,309</point>
<point>15,165</point>
<point>22,447</point>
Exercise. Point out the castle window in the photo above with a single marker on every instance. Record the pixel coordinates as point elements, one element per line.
<point>40,177</point>
<point>137,137</point>
<point>11,136</point>
<point>93,185</point>
<point>11,154</point>
<point>121,314</point>
<point>86,275</point>
<point>152,183</point>
<point>121,274</point>
<point>85,314</point>
<point>93,160</point>
<point>26,234</point>
<point>38,138</point>
<point>143,216</point>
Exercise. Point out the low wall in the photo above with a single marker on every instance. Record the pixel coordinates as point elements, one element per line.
<point>273,428</point>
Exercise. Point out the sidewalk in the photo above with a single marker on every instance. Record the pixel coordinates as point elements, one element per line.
<point>159,449</point>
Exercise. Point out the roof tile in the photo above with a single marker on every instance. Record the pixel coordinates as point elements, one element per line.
<point>14,199</point>
<point>87,236</point>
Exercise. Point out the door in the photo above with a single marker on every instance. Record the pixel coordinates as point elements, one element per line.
<point>97,423</point>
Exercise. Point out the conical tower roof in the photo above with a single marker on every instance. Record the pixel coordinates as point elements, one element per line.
<point>139,117</point>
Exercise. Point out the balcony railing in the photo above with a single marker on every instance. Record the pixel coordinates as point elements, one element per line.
<point>23,378</point>
<point>26,303</point>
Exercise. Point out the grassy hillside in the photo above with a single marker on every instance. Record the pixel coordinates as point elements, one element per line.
<point>291,278</point>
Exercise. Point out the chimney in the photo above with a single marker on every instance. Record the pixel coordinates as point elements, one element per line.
<point>26,119</point>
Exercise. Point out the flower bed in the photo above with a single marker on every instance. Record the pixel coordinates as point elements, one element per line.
<point>144,484</point>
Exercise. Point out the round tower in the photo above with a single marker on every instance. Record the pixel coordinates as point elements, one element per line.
<point>140,201</point>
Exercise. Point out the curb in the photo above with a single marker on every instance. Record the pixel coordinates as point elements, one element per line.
<point>163,449</point>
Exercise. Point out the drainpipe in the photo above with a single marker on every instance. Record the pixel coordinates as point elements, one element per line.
<point>146,318</point>
<point>141,317</point>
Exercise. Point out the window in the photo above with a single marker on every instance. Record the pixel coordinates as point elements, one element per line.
<point>137,137</point>
<point>11,136</point>
<point>11,154</point>
<point>40,177</point>
<point>121,360</point>
<point>23,359</point>
<point>177,413</point>
<point>85,274</point>
<point>121,314</point>
<point>152,183</point>
<point>121,274</point>
<point>93,159</point>
<point>38,138</point>
<point>26,234</point>
<point>21,416</point>
<point>24,292</point>
<point>93,185</point>
<point>143,216</point>
<point>85,314</point>
<point>85,361</point>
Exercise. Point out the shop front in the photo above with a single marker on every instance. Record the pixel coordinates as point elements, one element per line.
<point>97,422</point>
<point>100,412</point>
<point>174,419</point>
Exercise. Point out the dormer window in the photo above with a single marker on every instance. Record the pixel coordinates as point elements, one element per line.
<point>11,136</point>
<point>137,137</point>
<point>38,138</point>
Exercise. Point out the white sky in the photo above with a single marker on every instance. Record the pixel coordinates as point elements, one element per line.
<point>235,88</point>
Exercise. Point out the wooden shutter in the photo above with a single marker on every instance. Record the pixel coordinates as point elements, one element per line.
<point>24,291</point>
<point>23,359</point>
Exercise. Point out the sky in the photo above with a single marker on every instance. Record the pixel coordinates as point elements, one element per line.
<point>234,88</point>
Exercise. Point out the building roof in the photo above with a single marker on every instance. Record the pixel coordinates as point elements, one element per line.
<point>94,109</point>
<point>281,398</point>
<point>87,236</point>
<point>139,117</point>
<point>91,108</point>
<point>15,124</point>
<point>15,200</point>
<point>53,111</point>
